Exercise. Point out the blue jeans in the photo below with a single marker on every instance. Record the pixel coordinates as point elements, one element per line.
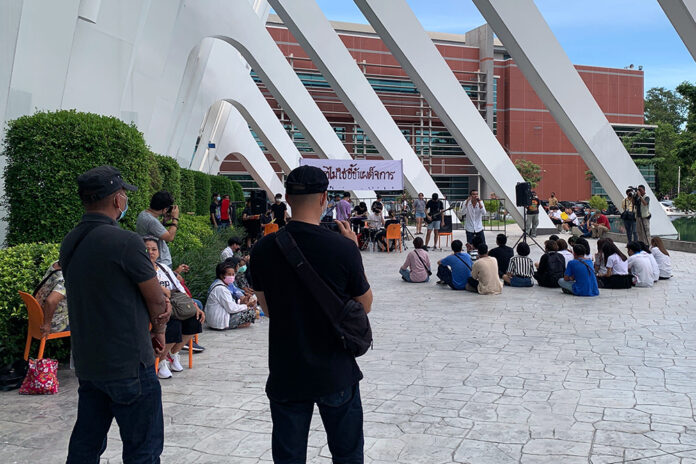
<point>517,281</point>
<point>631,234</point>
<point>342,415</point>
<point>567,284</point>
<point>135,403</point>
<point>406,275</point>
<point>470,236</point>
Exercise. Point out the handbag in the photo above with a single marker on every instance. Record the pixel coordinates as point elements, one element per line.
<point>183,307</point>
<point>348,320</point>
<point>628,215</point>
<point>41,378</point>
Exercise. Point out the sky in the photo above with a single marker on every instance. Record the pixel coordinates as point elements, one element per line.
<point>611,33</point>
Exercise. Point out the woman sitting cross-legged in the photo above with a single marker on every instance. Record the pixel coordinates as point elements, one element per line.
<point>521,268</point>
<point>416,269</point>
<point>662,258</point>
<point>178,332</point>
<point>551,266</point>
<point>616,264</point>
<point>222,311</point>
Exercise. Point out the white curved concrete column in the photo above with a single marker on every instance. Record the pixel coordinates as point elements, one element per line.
<point>530,42</point>
<point>313,31</point>
<point>230,133</point>
<point>682,15</point>
<point>226,78</point>
<point>403,34</point>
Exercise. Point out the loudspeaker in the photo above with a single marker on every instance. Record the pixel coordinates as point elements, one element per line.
<point>258,201</point>
<point>446,224</point>
<point>523,194</point>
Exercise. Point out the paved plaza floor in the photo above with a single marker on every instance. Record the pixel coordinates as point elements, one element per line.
<point>530,376</point>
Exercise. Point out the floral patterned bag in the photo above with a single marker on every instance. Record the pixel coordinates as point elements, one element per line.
<point>41,378</point>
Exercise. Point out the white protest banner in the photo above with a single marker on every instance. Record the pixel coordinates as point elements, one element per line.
<point>360,174</point>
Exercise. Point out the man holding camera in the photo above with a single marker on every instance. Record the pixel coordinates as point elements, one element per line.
<point>148,223</point>
<point>642,202</point>
<point>308,364</point>
<point>473,224</point>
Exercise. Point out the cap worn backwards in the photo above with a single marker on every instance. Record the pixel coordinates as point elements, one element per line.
<point>306,180</point>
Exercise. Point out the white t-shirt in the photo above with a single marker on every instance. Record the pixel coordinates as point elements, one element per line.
<point>653,266</point>
<point>567,255</point>
<point>165,281</point>
<point>639,265</point>
<point>474,216</point>
<point>663,262</point>
<point>375,221</point>
<point>573,218</point>
<point>556,214</point>
<point>617,265</point>
<point>226,253</point>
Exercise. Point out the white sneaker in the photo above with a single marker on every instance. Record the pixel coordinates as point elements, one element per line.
<point>176,363</point>
<point>163,372</point>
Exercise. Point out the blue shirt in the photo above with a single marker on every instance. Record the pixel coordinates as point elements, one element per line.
<point>460,271</point>
<point>585,281</point>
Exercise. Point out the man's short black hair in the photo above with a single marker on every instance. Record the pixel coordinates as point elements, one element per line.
<point>501,239</point>
<point>161,200</point>
<point>579,249</point>
<point>346,194</point>
<point>641,186</point>
<point>278,195</point>
<point>635,247</point>
<point>457,246</point>
<point>233,241</point>
<point>379,195</point>
<point>482,249</point>
<point>435,196</point>
<point>523,249</point>
<point>418,242</point>
<point>554,238</point>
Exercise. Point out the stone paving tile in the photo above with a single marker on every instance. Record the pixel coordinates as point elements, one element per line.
<point>529,376</point>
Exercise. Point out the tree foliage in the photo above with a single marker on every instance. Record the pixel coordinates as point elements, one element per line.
<point>598,203</point>
<point>665,106</point>
<point>531,172</point>
<point>686,202</point>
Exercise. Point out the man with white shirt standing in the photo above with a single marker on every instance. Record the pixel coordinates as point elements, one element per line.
<point>473,224</point>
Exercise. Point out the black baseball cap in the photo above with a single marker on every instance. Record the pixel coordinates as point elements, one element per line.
<point>306,180</point>
<point>101,182</point>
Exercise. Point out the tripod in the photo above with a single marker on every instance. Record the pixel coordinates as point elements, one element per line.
<point>405,233</point>
<point>524,236</point>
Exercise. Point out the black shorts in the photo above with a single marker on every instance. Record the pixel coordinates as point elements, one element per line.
<point>176,329</point>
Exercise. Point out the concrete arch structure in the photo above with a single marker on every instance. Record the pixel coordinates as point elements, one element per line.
<point>310,27</point>
<point>404,35</point>
<point>533,46</point>
<point>682,15</point>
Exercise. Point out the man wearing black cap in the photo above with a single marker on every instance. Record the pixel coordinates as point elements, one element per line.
<point>307,362</point>
<point>113,296</point>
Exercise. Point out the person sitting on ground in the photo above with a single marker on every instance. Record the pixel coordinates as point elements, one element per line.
<point>237,288</point>
<point>563,250</point>
<point>484,278</point>
<point>502,253</point>
<point>579,278</point>
<point>653,262</point>
<point>661,255</point>
<point>600,226</point>
<point>50,294</point>
<point>553,238</point>
<point>241,272</point>
<point>521,268</point>
<point>179,332</point>
<point>551,266</point>
<point>581,241</point>
<point>233,248</point>
<point>455,269</point>
<point>639,266</point>
<point>616,265</point>
<point>416,268</point>
<point>221,310</point>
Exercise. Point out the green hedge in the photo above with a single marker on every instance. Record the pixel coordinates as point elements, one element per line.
<point>203,193</point>
<point>192,230</point>
<point>187,203</point>
<point>45,154</point>
<point>21,268</point>
<point>170,172</point>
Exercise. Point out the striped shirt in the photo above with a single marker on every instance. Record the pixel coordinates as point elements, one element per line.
<point>521,266</point>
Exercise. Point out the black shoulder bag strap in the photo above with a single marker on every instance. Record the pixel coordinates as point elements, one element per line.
<point>45,279</point>
<point>427,269</point>
<point>328,301</point>
<point>65,261</point>
<point>460,259</point>
<point>174,288</point>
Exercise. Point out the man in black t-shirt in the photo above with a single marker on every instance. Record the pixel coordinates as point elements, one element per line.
<point>432,210</point>
<point>502,253</point>
<point>215,211</point>
<point>307,361</point>
<point>280,210</point>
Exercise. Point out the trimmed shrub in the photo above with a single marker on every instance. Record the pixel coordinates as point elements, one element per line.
<point>47,151</point>
<point>170,172</point>
<point>203,192</point>
<point>21,268</point>
<point>192,229</point>
<point>598,203</point>
<point>187,204</point>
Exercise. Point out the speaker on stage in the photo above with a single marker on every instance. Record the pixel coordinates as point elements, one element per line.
<point>258,201</point>
<point>446,224</point>
<point>523,194</point>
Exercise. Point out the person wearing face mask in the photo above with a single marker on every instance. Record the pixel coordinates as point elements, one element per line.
<point>628,215</point>
<point>222,312</point>
<point>600,226</point>
<point>280,211</point>
<point>113,297</point>
<point>215,220</point>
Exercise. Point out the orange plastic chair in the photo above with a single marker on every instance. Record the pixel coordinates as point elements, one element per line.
<point>36,315</point>
<point>445,234</point>
<point>270,228</point>
<point>394,233</point>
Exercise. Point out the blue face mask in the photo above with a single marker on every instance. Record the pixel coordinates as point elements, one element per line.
<point>123,213</point>
<point>219,198</point>
<point>242,269</point>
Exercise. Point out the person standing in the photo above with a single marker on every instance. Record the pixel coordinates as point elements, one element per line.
<point>419,211</point>
<point>642,215</point>
<point>148,224</point>
<point>307,362</point>
<point>533,216</point>
<point>474,210</point>
<point>225,212</point>
<point>433,209</point>
<point>113,297</point>
<point>628,215</point>
<point>279,210</point>
<point>344,208</point>
<point>215,211</point>
<point>553,201</point>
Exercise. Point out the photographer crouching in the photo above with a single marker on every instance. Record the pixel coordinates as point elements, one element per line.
<point>306,277</point>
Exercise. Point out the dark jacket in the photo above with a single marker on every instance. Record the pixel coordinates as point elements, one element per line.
<point>551,268</point>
